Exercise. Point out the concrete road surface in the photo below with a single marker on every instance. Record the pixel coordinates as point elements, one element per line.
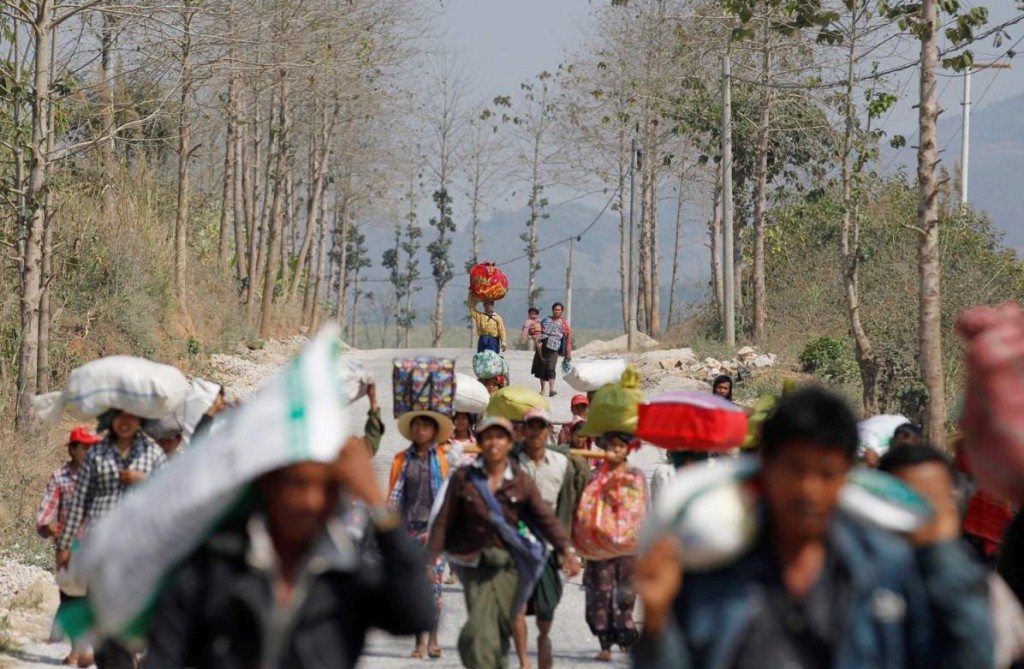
<point>574,646</point>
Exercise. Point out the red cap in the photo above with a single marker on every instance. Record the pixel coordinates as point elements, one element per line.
<point>578,400</point>
<point>83,435</point>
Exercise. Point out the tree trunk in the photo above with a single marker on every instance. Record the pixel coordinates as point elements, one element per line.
<point>341,245</point>
<point>252,191</point>
<point>276,216</point>
<point>717,276</point>
<point>238,196</point>
<point>184,155</point>
<point>676,247</point>
<point>930,270</point>
<point>320,148</point>
<point>624,278</point>
<point>35,200</point>
<point>849,240</point>
<point>226,200</point>
<point>106,145</point>
<point>46,274</point>
<point>654,285</point>
<point>761,187</point>
<point>321,264</point>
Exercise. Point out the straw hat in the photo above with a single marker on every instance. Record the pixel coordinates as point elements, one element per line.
<point>445,429</point>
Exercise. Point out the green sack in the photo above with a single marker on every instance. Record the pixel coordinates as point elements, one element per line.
<point>614,407</point>
<point>512,402</point>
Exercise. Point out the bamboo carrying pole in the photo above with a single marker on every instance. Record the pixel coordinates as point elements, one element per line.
<point>581,452</point>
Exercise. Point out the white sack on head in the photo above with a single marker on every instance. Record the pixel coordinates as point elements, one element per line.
<point>471,396</point>
<point>296,416</point>
<point>201,396</point>
<point>588,375</point>
<point>141,387</point>
<point>876,433</point>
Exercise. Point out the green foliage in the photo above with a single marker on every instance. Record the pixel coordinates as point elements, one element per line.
<point>440,248</point>
<point>829,358</point>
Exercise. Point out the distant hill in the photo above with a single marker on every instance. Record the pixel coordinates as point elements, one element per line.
<point>996,182</point>
<point>595,262</point>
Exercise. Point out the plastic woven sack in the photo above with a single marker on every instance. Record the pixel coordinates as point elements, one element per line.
<point>126,558</point>
<point>488,282</point>
<point>876,432</point>
<point>609,516</point>
<point>423,384</point>
<point>488,364</point>
<point>470,395</point>
<point>713,509</point>
<point>692,420</point>
<point>592,374</point>
<point>512,402</point>
<point>614,407</point>
<point>141,387</point>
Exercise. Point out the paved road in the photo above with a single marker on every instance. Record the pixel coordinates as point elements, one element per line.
<point>573,643</point>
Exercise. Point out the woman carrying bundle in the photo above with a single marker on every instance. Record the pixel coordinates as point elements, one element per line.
<point>417,476</point>
<point>609,583</point>
<point>555,340</point>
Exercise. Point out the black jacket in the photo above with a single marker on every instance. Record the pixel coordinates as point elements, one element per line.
<point>218,610</point>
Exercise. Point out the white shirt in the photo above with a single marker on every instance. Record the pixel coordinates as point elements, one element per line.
<point>548,474</point>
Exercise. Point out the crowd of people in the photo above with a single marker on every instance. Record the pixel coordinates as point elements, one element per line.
<point>324,552</point>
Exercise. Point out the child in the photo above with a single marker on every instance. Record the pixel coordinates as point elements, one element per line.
<point>53,512</point>
<point>609,583</point>
<point>530,334</point>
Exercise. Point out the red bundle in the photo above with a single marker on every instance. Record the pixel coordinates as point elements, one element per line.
<point>692,421</point>
<point>488,282</point>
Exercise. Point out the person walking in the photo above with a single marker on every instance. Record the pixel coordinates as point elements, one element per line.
<point>125,458</point>
<point>490,328</point>
<point>417,476</point>
<point>529,334</point>
<point>52,515</point>
<point>818,588</point>
<point>553,475</point>
<point>491,525</point>
<point>608,583</point>
<point>555,340</point>
<point>578,406</point>
<point>283,584</point>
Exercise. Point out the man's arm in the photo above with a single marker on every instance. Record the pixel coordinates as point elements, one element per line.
<point>173,629</point>
<point>439,527</point>
<point>404,602</point>
<point>658,579</point>
<point>502,340</point>
<point>76,512</point>
<point>46,515</point>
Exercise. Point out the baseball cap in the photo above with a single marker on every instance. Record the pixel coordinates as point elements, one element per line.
<point>536,413</point>
<point>578,400</point>
<point>83,435</point>
<point>494,421</point>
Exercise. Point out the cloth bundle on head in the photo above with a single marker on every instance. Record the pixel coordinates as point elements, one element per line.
<point>471,396</point>
<point>489,365</point>
<point>614,408</point>
<point>168,427</point>
<point>127,557</point>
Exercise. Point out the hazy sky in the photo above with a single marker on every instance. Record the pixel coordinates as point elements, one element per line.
<point>501,43</point>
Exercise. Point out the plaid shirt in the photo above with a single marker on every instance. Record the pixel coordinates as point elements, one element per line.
<point>99,488</point>
<point>57,496</point>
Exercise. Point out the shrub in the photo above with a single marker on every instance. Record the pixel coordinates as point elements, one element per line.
<point>829,358</point>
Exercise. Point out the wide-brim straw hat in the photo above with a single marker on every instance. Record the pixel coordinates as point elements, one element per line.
<point>445,429</point>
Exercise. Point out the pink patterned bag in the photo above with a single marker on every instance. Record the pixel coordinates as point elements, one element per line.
<point>610,513</point>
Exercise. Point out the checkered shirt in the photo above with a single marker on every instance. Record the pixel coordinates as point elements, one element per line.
<point>99,488</point>
<point>56,501</point>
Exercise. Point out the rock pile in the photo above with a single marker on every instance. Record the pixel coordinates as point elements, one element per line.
<point>686,360</point>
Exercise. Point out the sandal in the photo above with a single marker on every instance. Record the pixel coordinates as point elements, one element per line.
<point>434,652</point>
<point>417,654</point>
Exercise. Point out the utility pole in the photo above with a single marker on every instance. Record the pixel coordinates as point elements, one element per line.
<point>568,284</point>
<point>634,284</point>
<point>728,273</point>
<point>965,135</point>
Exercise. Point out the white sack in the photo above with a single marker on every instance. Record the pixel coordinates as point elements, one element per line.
<point>141,387</point>
<point>201,396</point>
<point>471,396</point>
<point>876,433</point>
<point>590,375</point>
<point>296,416</point>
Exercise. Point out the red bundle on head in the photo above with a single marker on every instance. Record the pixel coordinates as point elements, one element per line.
<point>488,282</point>
<point>693,421</point>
